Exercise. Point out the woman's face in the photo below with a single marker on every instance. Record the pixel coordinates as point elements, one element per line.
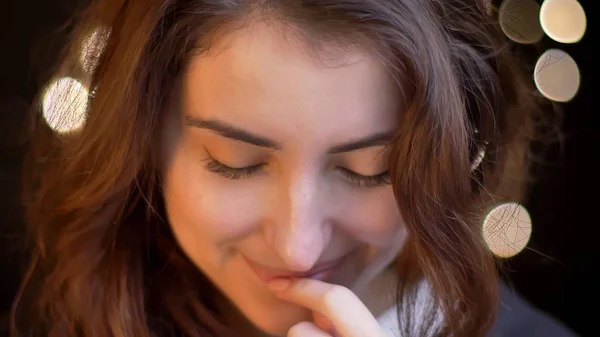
<point>278,168</point>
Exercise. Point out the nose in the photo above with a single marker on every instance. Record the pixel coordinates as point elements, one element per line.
<point>301,230</point>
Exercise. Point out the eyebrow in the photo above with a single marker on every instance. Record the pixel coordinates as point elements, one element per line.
<point>230,131</point>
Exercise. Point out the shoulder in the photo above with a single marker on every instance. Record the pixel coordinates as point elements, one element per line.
<point>517,318</point>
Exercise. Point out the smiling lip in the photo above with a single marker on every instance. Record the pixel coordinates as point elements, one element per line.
<point>318,272</point>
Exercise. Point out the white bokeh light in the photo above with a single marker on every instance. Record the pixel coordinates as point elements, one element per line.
<point>64,105</point>
<point>519,20</point>
<point>92,48</point>
<point>557,76</point>
<point>507,229</point>
<point>563,20</point>
<point>479,156</point>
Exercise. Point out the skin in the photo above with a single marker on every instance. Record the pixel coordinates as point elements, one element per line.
<point>298,209</point>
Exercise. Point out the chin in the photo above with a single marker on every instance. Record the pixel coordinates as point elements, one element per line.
<point>276,320</point>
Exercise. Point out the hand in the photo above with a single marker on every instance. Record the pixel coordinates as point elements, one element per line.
<point>336,309</point>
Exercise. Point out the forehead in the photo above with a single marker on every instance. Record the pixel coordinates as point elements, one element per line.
<point>269,83</point>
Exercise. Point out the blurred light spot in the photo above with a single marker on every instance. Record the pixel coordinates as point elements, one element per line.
<point>489,7</point>
<point>507,229</point>
<point>64,105</point>
<point>557,75</point>
<point>478,158</point>
<point>563,20</point>
<point>93,93</point>
<point>92,47</point>
<point>519,20</point>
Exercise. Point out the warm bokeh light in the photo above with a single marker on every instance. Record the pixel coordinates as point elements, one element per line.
<point>507,229</point>
<point>557,76</point>
<point>519,20</point>
<point>92,48</point>
<point>478,158</point>
<point>489,7</point>
<point>563,20</point>
<point>64,105</point>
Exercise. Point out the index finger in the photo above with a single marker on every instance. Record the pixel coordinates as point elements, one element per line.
<point>340,305</point>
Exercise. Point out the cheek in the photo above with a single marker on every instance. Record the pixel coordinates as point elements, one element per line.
<point>202,209</point>
<point>372,216</point>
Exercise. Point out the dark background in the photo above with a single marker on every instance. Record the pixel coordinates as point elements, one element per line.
<point>556,272</point>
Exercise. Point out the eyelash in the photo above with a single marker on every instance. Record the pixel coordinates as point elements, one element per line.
<point>366,181</point>
<point>233,173</point>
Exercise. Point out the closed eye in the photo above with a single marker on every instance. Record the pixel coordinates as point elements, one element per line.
<point>233,173</point>
<point>366,181</point>
<point>236,173</point>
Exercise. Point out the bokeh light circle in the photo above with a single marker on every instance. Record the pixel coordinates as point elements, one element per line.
<point>563,20</point>
<point>92,47</point>
<point>479,156</point>
<point>557,76</point>
<point>64,105</point>
<point>507,229</point>
<point>489,7</point>
<point>519,20</point>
